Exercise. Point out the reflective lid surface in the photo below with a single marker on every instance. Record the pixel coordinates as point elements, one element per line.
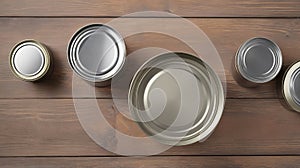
<point>259,60</point>
<point>176,98</point>
<point>96,52</point>
<point>29,60</point>
<point>295,86</point>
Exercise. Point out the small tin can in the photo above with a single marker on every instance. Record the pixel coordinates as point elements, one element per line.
<point>258,60</point>
<point>291,86</point>
<point>176,98</point>
<point>96,53</point>
<point>30,60</point>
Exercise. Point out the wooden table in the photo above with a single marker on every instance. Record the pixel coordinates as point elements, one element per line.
<point>38,124</point>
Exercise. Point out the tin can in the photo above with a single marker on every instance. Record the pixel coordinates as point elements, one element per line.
<point>291,86</point>
<point>258,60</point>
<point>176,98</point>
<point>30,60</point>
<point>96,53</point>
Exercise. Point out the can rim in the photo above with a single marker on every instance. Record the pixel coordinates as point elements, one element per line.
<point>120,44</point>
<point>286,83</point>
<point>276,69</point>
<point>197,135</point>
<point>46,56</point>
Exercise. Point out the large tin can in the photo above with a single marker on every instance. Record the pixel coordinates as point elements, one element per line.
<point>30,60</point>
<point>176,98</point>
<point>96,53</point>
<point>291,86</point>
<point>258,60</point>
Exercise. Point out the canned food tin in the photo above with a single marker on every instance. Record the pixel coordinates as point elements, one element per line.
<point>291,86</point>
<point>258,60</point>
<point>96,53</point>
<point>176,98</point>
<point>30,60</point>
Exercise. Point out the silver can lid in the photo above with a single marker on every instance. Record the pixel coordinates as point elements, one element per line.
<point>176,98</point>
<point>96,52</point>
<point>29,60</point>
<point>259,60</point>
<point>291,86</point>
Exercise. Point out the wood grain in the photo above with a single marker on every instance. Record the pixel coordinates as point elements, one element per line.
<point>186,8</point>
<point>226,34</point>
<point>38,122</point>
<point>49,127</point>
<point>154,162</point>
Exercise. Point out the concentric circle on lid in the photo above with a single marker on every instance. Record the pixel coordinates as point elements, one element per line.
<point>29,60</point>
<point>176,98</point>
<point>259,60</point>
<point>96,52</point>
<point>291,86</point>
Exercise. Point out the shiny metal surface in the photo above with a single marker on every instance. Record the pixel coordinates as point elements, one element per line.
<point>30,60</point>
<point>176,98</point>
<point>291,86</point>
<point>258,60</point>
<point>96,52</point>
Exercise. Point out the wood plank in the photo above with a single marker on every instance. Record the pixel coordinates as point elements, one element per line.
<point>144,162</point>
<point>186,8</point>
<point>49,127</point>
<point>226,34</point>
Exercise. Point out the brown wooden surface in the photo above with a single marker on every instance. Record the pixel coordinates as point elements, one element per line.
<point>155,162</point>
<point>50,127</point>
<point>56,32</point>
<point>186,8</point>
<point>38,123</point>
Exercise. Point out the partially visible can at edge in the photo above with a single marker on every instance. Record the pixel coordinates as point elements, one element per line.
<point>291,86</point>
<point>30,60</point>
<point>258,60</point>
<point>96,53</point>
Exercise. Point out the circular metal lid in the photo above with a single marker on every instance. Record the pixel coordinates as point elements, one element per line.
<point>176,98</point>
<point>291,86</point>
<point>259,60</point>
<point>29,60</point>
<point>96,52</point>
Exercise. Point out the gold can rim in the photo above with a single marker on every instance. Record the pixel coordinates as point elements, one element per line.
<point>286,82</point>
<point>46,57</point>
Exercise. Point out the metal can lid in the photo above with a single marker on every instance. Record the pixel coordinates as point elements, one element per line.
<point>96,52</point>
<point>29,60</point>
<point>176,98</point>
<point>259,60</point>
<point>291,86</point>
